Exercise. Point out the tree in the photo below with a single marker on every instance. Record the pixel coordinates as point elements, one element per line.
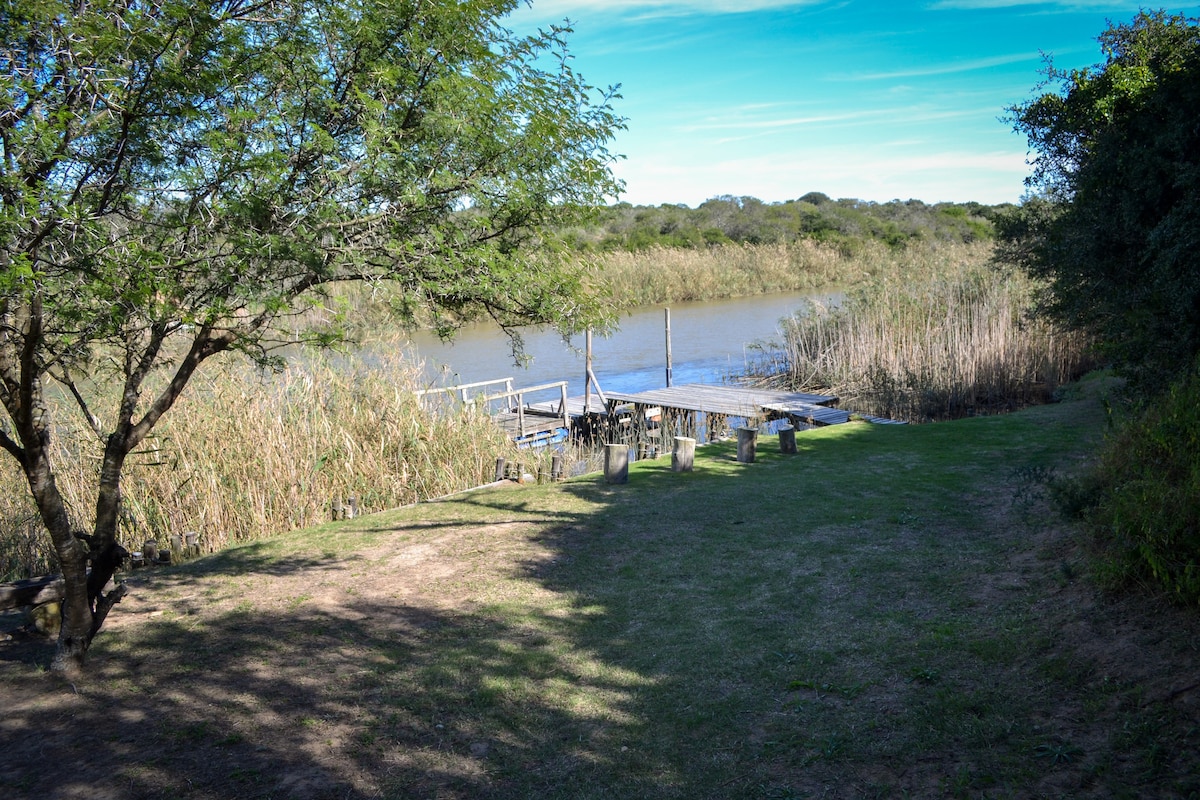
<point>1114,227</point>
<point>180,177</point>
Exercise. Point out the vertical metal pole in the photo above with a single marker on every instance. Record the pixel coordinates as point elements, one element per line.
<point>668,346</point>
<point>587,375</point>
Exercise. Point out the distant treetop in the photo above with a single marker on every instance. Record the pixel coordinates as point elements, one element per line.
<point>727,219</point>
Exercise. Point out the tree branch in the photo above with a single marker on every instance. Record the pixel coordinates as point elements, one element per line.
<point>13,448</point>
<point>93,421</point>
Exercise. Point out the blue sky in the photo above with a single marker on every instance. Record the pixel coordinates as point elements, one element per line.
<point>868,99</point>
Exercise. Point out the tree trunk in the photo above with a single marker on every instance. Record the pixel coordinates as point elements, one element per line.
<point>85,605</point>
<point>76,632</point>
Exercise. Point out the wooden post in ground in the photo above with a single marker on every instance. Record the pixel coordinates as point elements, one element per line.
<point>150,551</point>
<point>616,463</point>
<point>747,439</point>
<point>501,463</point>
<point>787,440</point>
<point>556,468</point>
<point>684,454</point>
<point>336,509</point>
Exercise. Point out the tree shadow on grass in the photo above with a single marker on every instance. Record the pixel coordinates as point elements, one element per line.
<point>363,701</point>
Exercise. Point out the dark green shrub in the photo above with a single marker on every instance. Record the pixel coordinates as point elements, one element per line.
<point>1147,514</point>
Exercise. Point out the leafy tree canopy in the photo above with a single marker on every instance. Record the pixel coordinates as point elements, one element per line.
<point>179,177</point>
<point>1114,226</point>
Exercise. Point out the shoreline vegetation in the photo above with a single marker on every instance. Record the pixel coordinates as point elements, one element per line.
<point>248,455</point>
<point>930,335</point>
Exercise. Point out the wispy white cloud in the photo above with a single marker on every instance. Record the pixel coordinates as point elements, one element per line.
<point>1072,5</point>
<point>642,9</point>
<point>735,122</point>
<point>945,69</point>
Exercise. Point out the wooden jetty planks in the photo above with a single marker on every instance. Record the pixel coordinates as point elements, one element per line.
<point>540,418</point>
<point>575,407</point>
<point>809,414</point>
<point>734,401</point>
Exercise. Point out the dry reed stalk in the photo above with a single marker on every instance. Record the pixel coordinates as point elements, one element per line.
<point>933,337</point>
<point>245,455</point>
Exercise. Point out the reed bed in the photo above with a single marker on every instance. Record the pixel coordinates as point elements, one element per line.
<point>938,333</point>
<point>668,275</point>
<point>246,455</point>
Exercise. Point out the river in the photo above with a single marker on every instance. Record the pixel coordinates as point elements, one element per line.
<point>708,341</point>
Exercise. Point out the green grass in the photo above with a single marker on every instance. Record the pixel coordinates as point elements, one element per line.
<point>884,614</point>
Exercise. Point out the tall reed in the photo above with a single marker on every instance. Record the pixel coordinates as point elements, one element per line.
<point>936,333</point>
<point>245,455</point>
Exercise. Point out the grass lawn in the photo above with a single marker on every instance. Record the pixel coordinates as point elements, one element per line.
<point>892,612</point>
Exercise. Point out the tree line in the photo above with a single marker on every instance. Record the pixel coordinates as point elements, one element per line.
<point>727,219</point>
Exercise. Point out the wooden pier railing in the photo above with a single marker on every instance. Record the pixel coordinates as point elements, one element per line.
<point>509,408</point>
<point>521,408</point>
<point>463,390</point>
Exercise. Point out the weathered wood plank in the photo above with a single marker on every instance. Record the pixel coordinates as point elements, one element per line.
<point>33,592</point>
<point>733,401</point>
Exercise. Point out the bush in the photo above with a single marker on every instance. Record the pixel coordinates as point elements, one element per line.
<point>1145,511</point>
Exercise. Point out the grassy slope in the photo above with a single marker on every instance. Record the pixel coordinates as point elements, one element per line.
<point>890,612</point>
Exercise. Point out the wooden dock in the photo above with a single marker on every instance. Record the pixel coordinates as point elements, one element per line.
<point>677,411</point>
<point>658,414</point>
<point>739,401</point>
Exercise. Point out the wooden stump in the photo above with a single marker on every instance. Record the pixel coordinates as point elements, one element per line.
<point>747,439</point>
<point>501,463</point>
<point>556,468</point>
<point>683,455</point>
<point>616,463</point>
<point>787,440</point>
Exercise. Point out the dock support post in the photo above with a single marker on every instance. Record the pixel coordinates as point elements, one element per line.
<point>747,439</point>
<point>787,440</point>
<point>668,323</point>
<point>683,456</point>
<point>616,463</point>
